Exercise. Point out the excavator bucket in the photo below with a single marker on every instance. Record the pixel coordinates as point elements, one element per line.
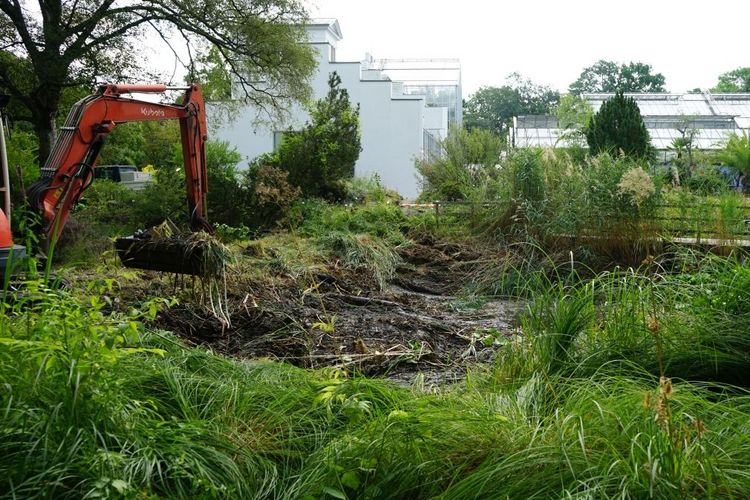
<point>165,248</point>
<point>164,254</point>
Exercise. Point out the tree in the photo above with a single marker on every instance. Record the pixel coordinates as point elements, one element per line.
<point>618,127</point>
<point>737,80</point>
<point>573,116</point>
<point>214,74</point>
<point>144,143</point>
<point>62,44</point>
<point>322,155</point>
<point>610,77</point>
<point>491,108</point>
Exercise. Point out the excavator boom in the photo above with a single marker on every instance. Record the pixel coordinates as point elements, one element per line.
<point>69,170</point>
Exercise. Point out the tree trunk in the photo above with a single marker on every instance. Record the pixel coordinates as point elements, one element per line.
<point>46,130</point>
<point>46,102</point>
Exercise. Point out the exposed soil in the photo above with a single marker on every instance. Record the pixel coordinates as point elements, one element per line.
<point>340,317</point>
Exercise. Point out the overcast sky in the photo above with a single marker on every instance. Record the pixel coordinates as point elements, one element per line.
<point>549,41</point>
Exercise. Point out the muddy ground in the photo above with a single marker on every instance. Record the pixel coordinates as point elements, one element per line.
<point>416,323</point>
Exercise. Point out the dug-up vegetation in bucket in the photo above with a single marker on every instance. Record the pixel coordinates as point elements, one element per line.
<point>166,248</point>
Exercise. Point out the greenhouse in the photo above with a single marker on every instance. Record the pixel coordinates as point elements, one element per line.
<point>712,118</point>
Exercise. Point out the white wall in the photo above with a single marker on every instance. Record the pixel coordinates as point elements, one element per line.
<point>391,126</point>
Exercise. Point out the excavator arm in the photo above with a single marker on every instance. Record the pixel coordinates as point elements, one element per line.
<point>69,170</point>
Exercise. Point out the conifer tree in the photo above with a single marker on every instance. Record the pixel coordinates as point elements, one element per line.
<point>618,128</point>
<point>322,155</point>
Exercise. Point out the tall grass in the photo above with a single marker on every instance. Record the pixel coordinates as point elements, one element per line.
<point>362,251</point>
<point>721,216</point>
<point>691,325</point>
<point>93,404</point>
<point>359,239</point>
<point>628,383</point>
<point>605,203</point>
<point>607,437</point>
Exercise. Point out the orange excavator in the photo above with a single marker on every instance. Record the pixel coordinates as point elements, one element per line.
<point>69,169</point>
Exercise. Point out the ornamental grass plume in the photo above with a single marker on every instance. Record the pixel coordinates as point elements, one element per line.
<point>636,185</point>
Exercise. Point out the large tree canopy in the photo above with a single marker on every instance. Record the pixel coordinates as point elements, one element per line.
<point>491,108</point>
<point>611,77</point>
<point>737,80</point>
<point>54,45</point>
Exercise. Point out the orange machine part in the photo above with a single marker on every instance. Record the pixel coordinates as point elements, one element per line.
<point>6,239</point>
<point>91,120</point>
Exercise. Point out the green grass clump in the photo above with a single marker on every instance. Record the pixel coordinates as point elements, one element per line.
<point>94,404</point>
<point>362,251</point>
<point>380,220</point>
<point>690,325</point>
<point>361,238</point>
<point>608,437</point>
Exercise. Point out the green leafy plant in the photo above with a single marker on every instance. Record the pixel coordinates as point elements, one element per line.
<point>736,153</point>
<point>364,190</point>
<point>465,170</point>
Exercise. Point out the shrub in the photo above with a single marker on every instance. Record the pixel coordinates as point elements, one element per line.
<point>736,153</point>
<point>706,181</point>
<point>270,197</point>
<point>225,193</point>
<point>22,155</point>
<point>143,143</point>
<point>466,168</point>
<point>369,190</point>
<point>163,199</point>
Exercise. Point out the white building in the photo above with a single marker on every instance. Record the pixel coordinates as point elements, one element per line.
<point>405,108</point>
